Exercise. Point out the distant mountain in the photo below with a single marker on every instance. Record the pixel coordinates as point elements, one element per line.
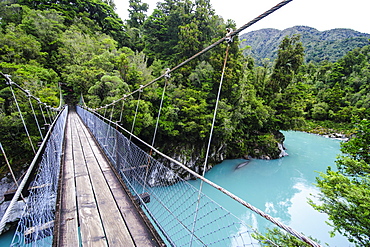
<point>327,45</point>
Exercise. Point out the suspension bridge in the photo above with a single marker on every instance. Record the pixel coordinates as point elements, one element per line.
<point>92,184</point>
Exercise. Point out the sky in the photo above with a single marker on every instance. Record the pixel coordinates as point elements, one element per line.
<point>320,14</point>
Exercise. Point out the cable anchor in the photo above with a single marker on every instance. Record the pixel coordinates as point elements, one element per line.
<point>7,79</point>
<point>28,93</point>
<point>229,38</point>
<point>167,73</point>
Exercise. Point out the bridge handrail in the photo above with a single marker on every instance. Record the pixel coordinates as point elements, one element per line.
<point>214,185</point>
<point>35,160</point>
<point>166,204</point>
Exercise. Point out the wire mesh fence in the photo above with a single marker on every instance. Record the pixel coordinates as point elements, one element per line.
<point>181,213</point>
<point>35,227</point>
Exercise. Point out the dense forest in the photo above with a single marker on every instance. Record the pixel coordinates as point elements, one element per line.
<point>329,45</point>
<point>84,47</point>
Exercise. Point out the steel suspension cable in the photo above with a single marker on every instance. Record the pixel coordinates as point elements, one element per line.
<point>83,100</point>
<point>156,128</point>
<point>48,112</point>
<point>160,109</point>
<point>110,119</point>
<point>105,110</point>
<point>137,107</point>
<point>223,190</point>
<point>61,101</point>
<point>230,35</point>
<point>8,164</point>
<point>11,170</point>
<point>120,116</point>
<point>215,110</point>
<point>111,113</point>
<point>52,112</point>
<point>26,92</point>
<point>42,112</point>
<point>210,140</point>
<point>21,115</point>
<point>6,215</point>
<point>34,114</point>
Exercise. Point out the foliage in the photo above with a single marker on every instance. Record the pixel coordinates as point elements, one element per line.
<point>86,48</point>
<point>45,43</point>
<point>276,237</point>
<point>320,46</point>
<point>98,11</point>
<point>137,13</point>
<point>345,194</point>
<point>289,60</point>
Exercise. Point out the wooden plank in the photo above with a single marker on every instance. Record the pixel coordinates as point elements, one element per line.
<point>34,229</point>
<point>91,228</point>
<point>139,232</point>
<point>93,201</point>
<point>114,225</point>
<point>68,219</point>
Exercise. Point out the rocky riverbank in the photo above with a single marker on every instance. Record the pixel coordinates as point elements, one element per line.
<point>6,184</point>
<point>340,134</point>
<point>265,146</point>
<point>329,133</point>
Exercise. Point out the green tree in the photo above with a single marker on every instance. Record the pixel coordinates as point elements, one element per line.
<point>137,13</point>
<point>46,26</point>
<point>290,107</point>
<point>334,97</point>
<point>17,46</point>
<point>284,93</point>
<point>345,194</point>
<point>290,58</point>
<point>320,111</point>
<point>276,237</point>
<point>10,13</point>
<point>97,10</point>
<point>105,90</point>
<point>162,29</point>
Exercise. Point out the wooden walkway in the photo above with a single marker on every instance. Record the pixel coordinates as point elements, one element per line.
<point>95,210</point>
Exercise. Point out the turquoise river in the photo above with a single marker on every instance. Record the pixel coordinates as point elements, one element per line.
<point>280,187</point>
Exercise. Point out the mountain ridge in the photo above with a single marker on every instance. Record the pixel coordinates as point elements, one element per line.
<point>327,45</point>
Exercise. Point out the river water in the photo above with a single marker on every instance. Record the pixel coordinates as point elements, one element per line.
<point>280,187</point>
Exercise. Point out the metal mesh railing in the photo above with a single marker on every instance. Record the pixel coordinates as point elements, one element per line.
<point>181,214</point>
<point>36,224</point>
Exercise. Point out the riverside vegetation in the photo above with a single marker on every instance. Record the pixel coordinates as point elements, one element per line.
<point>87,49</point>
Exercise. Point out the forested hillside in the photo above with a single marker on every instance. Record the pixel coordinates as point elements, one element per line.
<point>85,47</point>
<point>319,46</point>
<point>45,43</point>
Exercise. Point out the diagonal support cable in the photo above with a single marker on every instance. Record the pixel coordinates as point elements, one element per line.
<point>137,108</point>
<point>20,113</point>
<point>156,128</point>
<point>210,139</point>
<point>8,164</point>
<point>34,115</point>
<point>205,50</point>
<point>214,185</point>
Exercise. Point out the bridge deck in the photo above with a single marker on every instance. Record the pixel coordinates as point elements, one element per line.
<point>95,210</point>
